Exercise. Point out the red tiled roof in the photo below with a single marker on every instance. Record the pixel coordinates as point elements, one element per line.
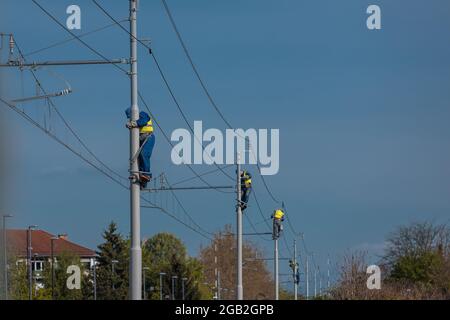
<point>41,244</point>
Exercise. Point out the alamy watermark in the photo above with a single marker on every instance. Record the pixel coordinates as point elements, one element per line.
<point>374,280</point>
<point>213,147</point>
<point>73,21</point>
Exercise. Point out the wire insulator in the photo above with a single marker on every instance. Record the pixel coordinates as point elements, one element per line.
<point>11,44</point>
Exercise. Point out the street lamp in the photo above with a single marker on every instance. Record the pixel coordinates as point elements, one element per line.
<point>5,254</point>
<point>113,263</point>
<point>182,285</point>
<point>30,268</point>
<point>161,274</point>
<point>143,282</point>
<point>52,246</point>
<point>173,286</point>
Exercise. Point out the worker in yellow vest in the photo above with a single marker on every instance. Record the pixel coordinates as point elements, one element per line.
<point>246,188</point>
<point>278,217</point>
<point>146,144</point>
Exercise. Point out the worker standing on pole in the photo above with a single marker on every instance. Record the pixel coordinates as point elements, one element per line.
<point>278,217</point>
<point>293,264</point>
<point>246,188</point>
<point>146,144</point>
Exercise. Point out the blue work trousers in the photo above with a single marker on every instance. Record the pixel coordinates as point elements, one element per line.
<point>146,153</point>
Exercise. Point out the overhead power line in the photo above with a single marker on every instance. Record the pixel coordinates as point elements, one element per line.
<point>165,135</point>
<point>163,77</point>
<point>62,42</point>
<point>166,82</point>
<point>191,62</point>
<point>206,91</point>
<point>96,167</point>
<point>201,175</point>
<point>54,137</point>
<point>52,17</point>
<point>66,123</point>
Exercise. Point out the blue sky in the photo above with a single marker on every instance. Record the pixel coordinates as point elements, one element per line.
<point>363,115</point>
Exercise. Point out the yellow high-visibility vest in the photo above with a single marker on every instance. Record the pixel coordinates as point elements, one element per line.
<point>248,183</point>
<point>148,128</point>
<point>279,214</point>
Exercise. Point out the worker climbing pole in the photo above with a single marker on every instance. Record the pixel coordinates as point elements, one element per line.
<point>146,145</point>
<point>246,188</point>
<point>278,218</point>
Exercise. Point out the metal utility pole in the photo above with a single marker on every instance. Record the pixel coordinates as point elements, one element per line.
<point>315,282</point>
<point>52,245</point>
<point>307,276</point>
<point>295,271</point>
<point>215,271</point>
<point>239,289</point>
<point>5,254</point>
<point>30,264</point>
<point>173,286</point>
<point>276,270</point>
<point>161,274</point>
<point>182,287</point>
<point>219,289</point>
<point>143,282</point>
<point>320,284</point>
<point>328,273</point>
<point>276,229</point>
<point>135,219</point>
<point>113,273</point>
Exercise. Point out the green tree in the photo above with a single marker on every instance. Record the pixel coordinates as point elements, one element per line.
<point>18,280</point>
<point>112,268</point>
<point>418,254</point>
<point>418,268</point>
<point>166,253</point>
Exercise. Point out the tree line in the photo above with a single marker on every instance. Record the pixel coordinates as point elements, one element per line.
<point>415,265</point>
<point>166,266</point>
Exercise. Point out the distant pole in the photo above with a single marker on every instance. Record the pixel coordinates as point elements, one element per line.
<point>295,271</point>
<point>219,289</point>
<point>113,273</point>
<point>182,287</point>
<point>315,282</point>
<point>239,289</point>
<point>144,293</point>
<point>52,246</point>
<point>173,286</point>
<point>307,276</point>
<point>320,284</point>
<point>328,273</point>
<point>30,264</point>
<point>161,274</point>
<point>5,253</point>
<point>216,271</point>
<point>135,250</point>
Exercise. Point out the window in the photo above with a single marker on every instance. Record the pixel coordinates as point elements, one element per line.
<point>38,266</point>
